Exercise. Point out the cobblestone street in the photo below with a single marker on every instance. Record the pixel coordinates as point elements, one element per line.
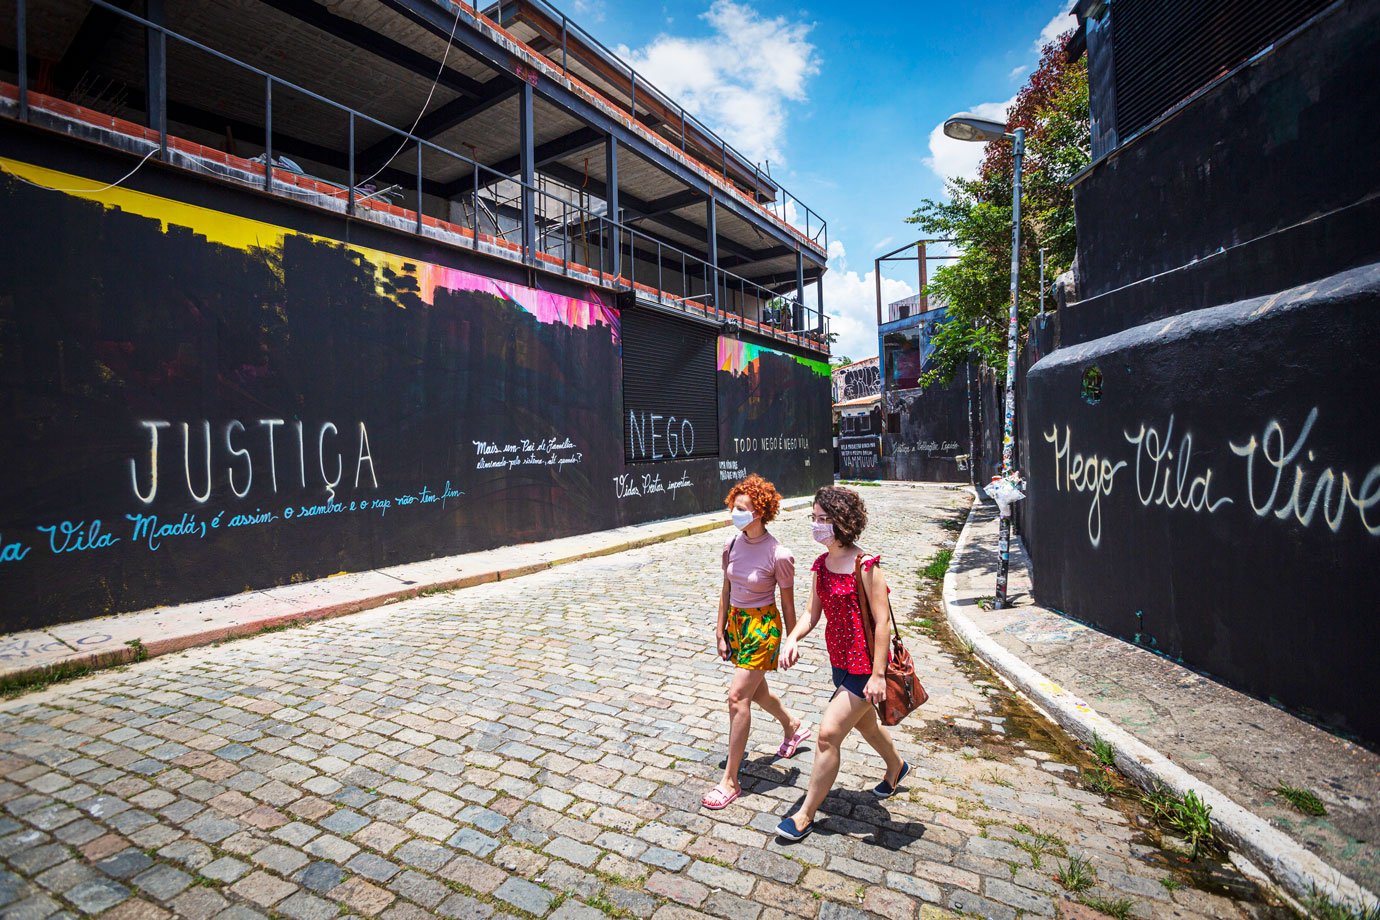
<point>538,747</point>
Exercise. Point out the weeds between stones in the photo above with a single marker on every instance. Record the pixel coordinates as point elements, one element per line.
<point>1189,816</point>
<point>1302,799</point>
<point>1321,906</point>
<point>937,565</point>
<point>1120,908</point>
<point>1077,875</point>
<point>1100,782</point>
<point>1103,751</point>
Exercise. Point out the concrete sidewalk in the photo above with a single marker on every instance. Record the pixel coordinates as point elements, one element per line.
<point>106,641</point>
<point>1177,728</point>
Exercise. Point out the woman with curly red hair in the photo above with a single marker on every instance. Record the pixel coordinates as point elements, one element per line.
<point>857,659</point>
<point>749,626</point>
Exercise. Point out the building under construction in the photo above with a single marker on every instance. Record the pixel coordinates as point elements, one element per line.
<point>377,281</point>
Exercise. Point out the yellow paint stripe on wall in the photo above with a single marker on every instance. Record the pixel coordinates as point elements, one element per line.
<point>217,226</point>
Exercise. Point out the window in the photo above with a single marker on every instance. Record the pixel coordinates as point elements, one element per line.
<point>670,388</point>
<point>906,351</point>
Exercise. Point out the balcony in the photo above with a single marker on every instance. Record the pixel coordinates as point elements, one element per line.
<point>506,151</point>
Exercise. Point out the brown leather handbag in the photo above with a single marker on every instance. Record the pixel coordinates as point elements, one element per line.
<point>904,692</point>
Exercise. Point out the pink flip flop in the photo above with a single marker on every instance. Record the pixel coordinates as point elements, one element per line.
<point>789,746</point>
<point>717,799</point>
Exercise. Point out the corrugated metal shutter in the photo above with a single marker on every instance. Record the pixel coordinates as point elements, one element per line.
<point>1165,50</point>
<point>670,388</point>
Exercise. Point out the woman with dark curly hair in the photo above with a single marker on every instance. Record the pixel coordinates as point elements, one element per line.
<point>749,626</point>
<point>838,518</point>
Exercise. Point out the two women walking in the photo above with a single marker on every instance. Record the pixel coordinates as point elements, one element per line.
<point>751,636</point>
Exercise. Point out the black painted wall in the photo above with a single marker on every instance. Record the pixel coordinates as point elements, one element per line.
<point>1228,278</point>
<point>1221,503</point>
<point>1263,182</point>
<point>934,432</point>
<point>434,419</point>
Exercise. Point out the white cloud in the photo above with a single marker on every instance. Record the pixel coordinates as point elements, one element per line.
<point>589,11</point>
<point>950,158</point>
<point>738,79</point>
<point>1061,22</point>
<point>850,299</point>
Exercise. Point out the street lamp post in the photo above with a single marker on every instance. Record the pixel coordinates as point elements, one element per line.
<point>966,126</point>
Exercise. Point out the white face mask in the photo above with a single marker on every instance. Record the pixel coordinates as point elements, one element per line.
<point>823,533</point>
<point>741,518</point>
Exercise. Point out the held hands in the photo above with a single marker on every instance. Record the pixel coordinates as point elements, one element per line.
<point>875,691</point>
<point>790,654</point>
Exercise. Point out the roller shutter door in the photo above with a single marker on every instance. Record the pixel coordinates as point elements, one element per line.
<point>670,388</point>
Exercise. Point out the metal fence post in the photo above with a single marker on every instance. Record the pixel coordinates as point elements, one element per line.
<point>22,55</point>
<point>350,191</point>
<point>268,134</point>
<point>564,68</point>
<point>419,188</point>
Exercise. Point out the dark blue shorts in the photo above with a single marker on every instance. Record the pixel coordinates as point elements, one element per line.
<point>853,683</point>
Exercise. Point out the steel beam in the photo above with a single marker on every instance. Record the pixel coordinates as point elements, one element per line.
<point>86,46</point>
<point>438,21</point>
<point>527,168</point>
<point>612,197</point>
<point>347,30</point>
<point>554,149</point>
<point>711,221</point>
<point>440,120</point>
<point>668,204</point>
<point>156,71</point>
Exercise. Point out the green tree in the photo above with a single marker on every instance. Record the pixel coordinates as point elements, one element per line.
<point>976,287</point>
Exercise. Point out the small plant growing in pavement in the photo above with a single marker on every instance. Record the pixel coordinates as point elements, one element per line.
<point>1170,883</point>
<point>937,565</point>
<point>1321,906</point>
<point>1103,751</point>
<point>1190,817</point>
<point>1077,875</point>
<point>1098,781</point>
<point>1302,799</point>
<point>1120,908</point>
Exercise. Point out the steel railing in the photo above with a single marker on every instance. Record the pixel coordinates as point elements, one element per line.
<point>787,207</point>
<point>697,286</point>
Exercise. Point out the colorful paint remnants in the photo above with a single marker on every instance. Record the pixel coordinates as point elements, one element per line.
<point>736,355</point>
<point>246,234</point>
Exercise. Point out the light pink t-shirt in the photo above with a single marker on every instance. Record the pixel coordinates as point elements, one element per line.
<point>755,568</point>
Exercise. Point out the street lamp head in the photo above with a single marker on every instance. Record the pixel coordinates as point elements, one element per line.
<point>965,126</point>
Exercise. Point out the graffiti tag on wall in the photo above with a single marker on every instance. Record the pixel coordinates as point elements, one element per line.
<point>1280,479</point>
<point>857,380</point>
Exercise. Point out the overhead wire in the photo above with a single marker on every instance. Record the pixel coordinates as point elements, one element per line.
<point>89,191</point>
<point>450,43</point>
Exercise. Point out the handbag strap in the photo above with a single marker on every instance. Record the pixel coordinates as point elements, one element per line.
<point>865,607</point>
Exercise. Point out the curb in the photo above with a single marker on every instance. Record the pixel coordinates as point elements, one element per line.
<point>1287,863</point>
<point>80,664</point>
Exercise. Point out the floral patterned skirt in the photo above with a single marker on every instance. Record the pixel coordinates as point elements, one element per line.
<point>754,637</point>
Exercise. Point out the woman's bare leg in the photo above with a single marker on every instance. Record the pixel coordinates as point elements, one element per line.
<point>876,735</point>
<point>840,716</point>
<point>740,695</point>
<point>773,706</point>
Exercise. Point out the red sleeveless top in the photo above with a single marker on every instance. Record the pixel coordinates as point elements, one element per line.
<point>843,629</point>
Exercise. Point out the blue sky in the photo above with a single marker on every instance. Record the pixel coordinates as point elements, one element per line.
<point>844,98</point>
